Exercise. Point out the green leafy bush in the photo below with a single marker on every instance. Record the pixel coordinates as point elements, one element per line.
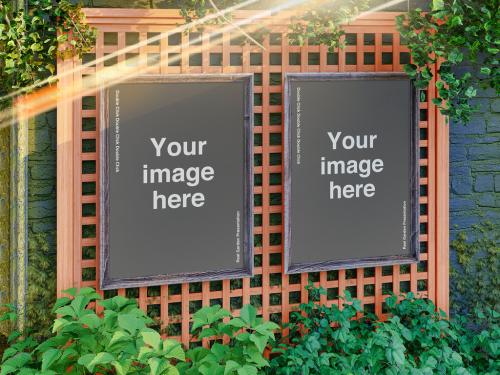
<point>414,340</point>
<point>323,340</point>
<point>248,337</point>
<point>120,341</point>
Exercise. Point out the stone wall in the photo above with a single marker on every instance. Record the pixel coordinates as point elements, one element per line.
<point>475,166</point>
<point>42,165</point>
<point>4,220</point>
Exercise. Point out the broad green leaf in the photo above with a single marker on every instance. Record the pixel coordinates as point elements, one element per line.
<point>118,337</point>
<point>207,332</point>
<point>71,291</point>
<point>247,370</point>
<point>219,350</point>
<point>151,338</point>
<point>231,366</point>
<point>49,357</point>
<point>248,313</point>
<point>119,367</point>
<point>58,324</point>
<point>91,320</point>
<point>79,304</point>
<point>16,362</point>
<point>156,365</point>
<point>61,302</point>
<point>259,340</point>
<point>267,328</point>
<point>100,359</point>
<point>237,322</point>
<point>173,349</point>
<point>129,322</point>
<point>66,311</point>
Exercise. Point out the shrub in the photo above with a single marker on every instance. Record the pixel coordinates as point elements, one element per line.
<point>414,340</point>
<point>120,341</point>
<point>322,340</point>
<point>247,335</point>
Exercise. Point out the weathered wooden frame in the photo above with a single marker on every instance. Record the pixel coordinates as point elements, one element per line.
<point>247,243</point>
<point>414,230</point>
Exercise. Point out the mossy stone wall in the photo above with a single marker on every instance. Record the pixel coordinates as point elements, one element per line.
<point>42,170</point>
<point>4,219</point>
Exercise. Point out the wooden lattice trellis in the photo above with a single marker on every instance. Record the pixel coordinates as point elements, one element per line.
<point>373,44</point>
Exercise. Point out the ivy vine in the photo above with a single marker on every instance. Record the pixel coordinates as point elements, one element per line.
<point>454,33</point>
<point>29,40</point>
<point>320,23</point>
<point>475,281</point>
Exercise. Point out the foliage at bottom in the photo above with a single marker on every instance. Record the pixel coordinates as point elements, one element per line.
<point>323,340</point>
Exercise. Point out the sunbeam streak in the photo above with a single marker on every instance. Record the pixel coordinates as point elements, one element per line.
<point>47,98</point>
<point>156,38</point>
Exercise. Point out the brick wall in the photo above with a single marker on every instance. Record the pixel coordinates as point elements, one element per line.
<point>475,166</point>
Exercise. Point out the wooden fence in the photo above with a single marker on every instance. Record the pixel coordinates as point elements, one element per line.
<point>373,45</point>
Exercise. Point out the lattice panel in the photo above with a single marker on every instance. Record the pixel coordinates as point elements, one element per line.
<point>373,44</point>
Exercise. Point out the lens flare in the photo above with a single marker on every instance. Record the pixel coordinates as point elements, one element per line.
<point>44,99</point>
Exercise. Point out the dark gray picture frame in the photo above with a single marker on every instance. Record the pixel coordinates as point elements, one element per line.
<point>247,241</point>
<point>414,242</point>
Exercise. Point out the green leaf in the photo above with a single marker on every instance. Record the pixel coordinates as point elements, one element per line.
<point>49,357</point>
<point>470,92</point>
<point>219,350</point>
<point>156,365</point>
<point>91,320</point>
<point>70,291</point>
<point>248,313</point>
<point>117,338</point>
<point>267,328</point>
<point>437,5</point>
<point>129,323</point>
<point>173,350</point>
<point>61,302</point>
<point>247,370</point>
<point>79,304</point>
<point>120,368</point>
<point>90,361</point>
<point>485,70</point>
<point>207,332</point>
<point>230,367</point>
<point>259,340</point>
<point>237,322</point>
<point>151,338</point>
